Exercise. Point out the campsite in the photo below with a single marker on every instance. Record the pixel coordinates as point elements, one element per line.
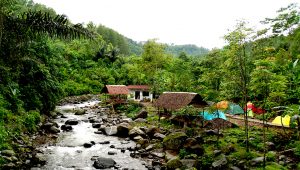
<point>150,85</point>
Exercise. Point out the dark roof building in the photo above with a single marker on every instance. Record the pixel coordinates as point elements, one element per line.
<point>115,89</point>
<point>177,100</point>
<point>138,87</point>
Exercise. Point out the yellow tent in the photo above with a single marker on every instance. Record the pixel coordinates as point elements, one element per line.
<point>285,120</point>
<point>250,113</point>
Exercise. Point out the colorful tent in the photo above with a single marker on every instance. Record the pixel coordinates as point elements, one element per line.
<point>222,105</point>
<point>285,120</point>
<point>211,116</point>
<point>250,113</point>
<point>235,109</point>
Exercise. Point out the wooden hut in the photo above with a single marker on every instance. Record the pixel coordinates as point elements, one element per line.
<point>116,93</point>
<point>176,100</point>
<point>172,101</point>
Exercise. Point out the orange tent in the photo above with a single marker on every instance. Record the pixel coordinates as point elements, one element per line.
<point>222,105</point>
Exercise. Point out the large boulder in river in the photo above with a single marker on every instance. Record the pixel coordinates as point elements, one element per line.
<point>104,163</point>
<point>174,141</point>
<point>123,129</point>
<point>80,112</point>
<point>110,131</point>
<point>66,127</point>
<point>72,122</point>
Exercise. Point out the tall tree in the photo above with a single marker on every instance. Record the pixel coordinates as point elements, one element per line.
<point>238,60</point>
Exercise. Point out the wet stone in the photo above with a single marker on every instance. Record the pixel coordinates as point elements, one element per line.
<point>103,163</point>
<point>111,153</point>
<point>72,122</point>
<point>104,142</point>
<point>96,125</point>
<point>98,132</point>
<point>66,127</point>
<point>87,145</point>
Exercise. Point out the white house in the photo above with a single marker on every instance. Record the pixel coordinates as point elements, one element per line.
<point>140,92</point>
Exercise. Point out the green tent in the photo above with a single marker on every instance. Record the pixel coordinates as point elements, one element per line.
<point>235,109</point>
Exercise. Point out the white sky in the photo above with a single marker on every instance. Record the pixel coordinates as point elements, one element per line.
<point>199,22</point>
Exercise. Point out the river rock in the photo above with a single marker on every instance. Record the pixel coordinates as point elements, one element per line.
<point>54,129</point>
<point>8,153</point>
<point>123,129</point>
<point>174,141</point>
<point>72,122</point>
<point>152,130</point>
<point>87,145</point>
<point>149,147</point>
<point>104,142</point>
<point>138,138</point>
<point>188,163</point>
<point>140,120</point>
<point>174,163</point>
<point>104,163</point>
<point>96,125</point>
<point>111,153</point>
<point>170,154</point>
<point>127,120</point>
<point>196,149</point>
<point>66,127</point>
<point>211,132</point>
<point>98,132</point>
<point>257,161</point>
<point>39,159</point>
<point>159,136</point>
<point>110,131</point>
<point>80,112</point>
<point>189,142</point>
<point>47,125</point>
<point>158,154</point>
<point>136,132</point>
<point>270,145</point>
<point>142,114</point>
<point>220,163</point>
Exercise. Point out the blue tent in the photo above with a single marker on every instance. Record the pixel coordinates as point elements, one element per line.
<point>235,109</point>
<point>211,116</point>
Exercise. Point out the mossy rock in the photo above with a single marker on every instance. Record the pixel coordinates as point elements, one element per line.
<point>174,163</point>
<point>273,166</point>
<point>174,141</point>
<point>80,112</point>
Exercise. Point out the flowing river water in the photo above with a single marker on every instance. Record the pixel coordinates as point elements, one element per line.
<point>68,152</point>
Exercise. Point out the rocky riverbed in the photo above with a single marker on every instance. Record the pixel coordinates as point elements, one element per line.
<point>87,139</point>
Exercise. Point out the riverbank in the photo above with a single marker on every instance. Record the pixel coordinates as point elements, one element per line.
<point>92,135</point>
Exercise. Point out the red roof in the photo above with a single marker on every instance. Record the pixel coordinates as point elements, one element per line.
<point>115,89</point>
<point>139,87</point>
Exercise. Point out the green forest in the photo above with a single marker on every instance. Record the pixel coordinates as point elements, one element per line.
<point>45,58</point>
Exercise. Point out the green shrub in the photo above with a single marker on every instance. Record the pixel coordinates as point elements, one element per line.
<point>183,153</point>
<point>242,154</point>
<point>271,156</point>
<point>32,118</point>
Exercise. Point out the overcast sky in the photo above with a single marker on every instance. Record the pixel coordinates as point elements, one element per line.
<point>199,22</point>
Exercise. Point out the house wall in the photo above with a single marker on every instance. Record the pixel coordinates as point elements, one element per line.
<point>133,97</point>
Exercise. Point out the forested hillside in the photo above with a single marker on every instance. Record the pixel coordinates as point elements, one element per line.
<point>45,58</point>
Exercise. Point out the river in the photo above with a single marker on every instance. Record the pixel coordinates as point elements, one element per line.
<point>68,152</point>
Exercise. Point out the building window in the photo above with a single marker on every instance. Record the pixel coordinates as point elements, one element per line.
<point>145,93</point>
